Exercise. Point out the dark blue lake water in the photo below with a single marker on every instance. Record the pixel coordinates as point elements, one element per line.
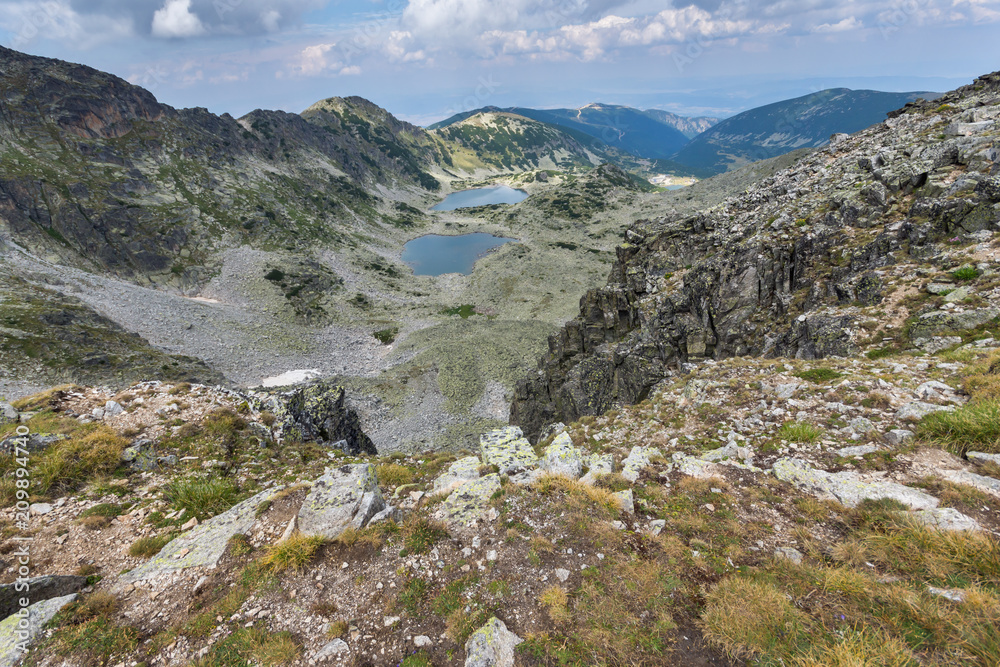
<point>497,194</point>
<point>433,255</point>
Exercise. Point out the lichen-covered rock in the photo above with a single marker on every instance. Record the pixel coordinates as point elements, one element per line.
<point>344,497</point>
<point>507,449</point>
<point>491,646</point>
<point>982,457</point>
<point>942,321</point>
<point>18,632</point>
<point>848,488</point>
<point>626,500</point>
<point>457,474</point>
<point>8,414</point>
<point>988,484</point>
<point>638,459</point>
<point>319,412</point>
<point>562,458</point>
<point>598,464</point>
<point>946,518</point>
<point>897,436</point>
<point>469,502</point>
<point>917,410</point>
<point>39,588</point>
<point>203,545</point>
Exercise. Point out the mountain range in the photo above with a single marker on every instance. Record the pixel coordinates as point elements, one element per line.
<point>705,146</point>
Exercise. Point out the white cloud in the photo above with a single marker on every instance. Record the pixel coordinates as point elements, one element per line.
<point>56,20</point>
<point>353,70</point>
<point>849,23</point>
<point>176,19</point>
<point>313,60</point>
<point>270,20</point>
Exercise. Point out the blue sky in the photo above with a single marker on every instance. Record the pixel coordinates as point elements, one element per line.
<point>426,59</point>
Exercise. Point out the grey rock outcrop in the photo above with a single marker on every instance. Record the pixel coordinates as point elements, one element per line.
<point>203,545</point>
<point>38,614</point>
<point>491,646</point>
<point>344,497</point>
<point>779,270</point>
<point>319,412</point>
<point>39,588</point>
<point>848,488</point>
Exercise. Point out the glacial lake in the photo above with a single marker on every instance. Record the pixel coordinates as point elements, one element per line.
<point>433,255</point>
<point>497,194</point>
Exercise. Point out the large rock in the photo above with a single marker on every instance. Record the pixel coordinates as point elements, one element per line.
<point>917,410</point>
<point>491,646</point>
<point>562,458</point>
<point>8,414</point>
<point>469,502</point>
<point>33,442</point>
<point>637,460</point>
<point>39,588</point>
<point>18,632</point>
<point>946,518</point>
<point>507,449</point>
<point>457,474</point>
<point>319,412</point>
<point>203,545</point>
<point>942,321</point>
<point>988,484</point>
<point>598,464</point>
<point>343,498</point>
<point>848,488</point>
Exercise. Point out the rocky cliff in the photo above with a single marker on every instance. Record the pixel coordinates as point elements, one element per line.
<point>793,267</point>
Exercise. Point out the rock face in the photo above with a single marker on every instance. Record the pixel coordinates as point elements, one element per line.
<point>38,614</point>
<point>776,270</point>
<point>491,646</point>
<point>39,588</point>
<point>319,412</point>
<point>344,497</point>
<point>203,545</point>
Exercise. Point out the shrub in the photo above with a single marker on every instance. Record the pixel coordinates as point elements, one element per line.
<point>386,336</point>
<point>965,273</point>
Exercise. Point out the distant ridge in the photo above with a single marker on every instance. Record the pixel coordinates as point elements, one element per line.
<point>802,122</point>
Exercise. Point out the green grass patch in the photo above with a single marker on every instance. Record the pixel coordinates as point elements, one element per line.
<point>420,533</point>
<point>202,498</point>
<point>293,554</point>
<point>108,510</point>
<point>799,432</point>
<point>247,647</point>
<point>818,375</point>
<point>972,427</point>
<point>147,547</point>
<point>965,273</point>
<point>464,311</point>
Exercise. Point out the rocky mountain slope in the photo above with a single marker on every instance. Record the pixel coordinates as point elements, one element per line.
<point>838,250</point>
<point>689,126</point>
<point>803,122</point>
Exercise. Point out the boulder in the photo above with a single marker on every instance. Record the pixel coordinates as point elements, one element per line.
<point>491,646</point>
<point>637,460</point>
<point>848,488</point>
<point>937,343</point>
<point>562,458</point>
<point>940,321</point>
<point>33,442</point>
<point>470,501</point>
<point>598,464</point>
<point>8,414</point>
<point>980,457</point>
<point>946,518</point>
<point>507,449</point>
<point>917,410</point>
<point>39,588</point>
<point>203,545</point>
<point>331,649</point>
<point>457,474</point>
<point>897,436</point>
<point>14,635</point>
<point>988,484</point>
<point>344,497</point>
<point>113,409</point>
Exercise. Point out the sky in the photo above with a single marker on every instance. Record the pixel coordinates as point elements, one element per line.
<point>425,60</point>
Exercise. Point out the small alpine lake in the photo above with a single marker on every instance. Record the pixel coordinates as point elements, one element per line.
<point>496,194</point>
<point>434,255</point>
